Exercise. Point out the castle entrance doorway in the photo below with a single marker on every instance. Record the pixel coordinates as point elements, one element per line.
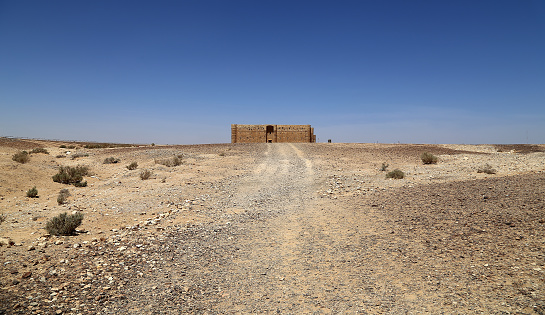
<point>270,134</point>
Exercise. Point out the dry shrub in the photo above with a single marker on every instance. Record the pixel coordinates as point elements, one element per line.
<point>428,158</point>
<point>21,157</point>
<point>170,162</point>
<point>63,195</point>
<point>111,160</point>
<point>396,174</point>
<point>39,150</point>
<point>145,174</point>
<point>487,169</point>
<point>78,155</point>
<point>64,224</point>
<point>32,192</point>
<point>71,175</point>
<point>132,166</point>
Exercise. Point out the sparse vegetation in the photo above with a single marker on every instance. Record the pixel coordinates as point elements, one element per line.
<point>64,224</point>
<point>62,146</point>
<point>111,160</point>
<point>106,145</point>
<point>63,195</point>
<point>71,175</point>
<point>60,156</point>
<point>384,167</point>
<point>428,158</point>
<point>78,155</point>
<point>21,157</point>
<point>171,162</point>
<point>2,218</point>
<point>39,150</point>
<point>395,174</point>
<point>145,174</point>
<point>487,169</point>
<point>132,166</point>
<point>32,192</point>
<point>222,154</point>
<point>80,184</point>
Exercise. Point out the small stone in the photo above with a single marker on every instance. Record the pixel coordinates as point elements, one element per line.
<point>15,282</point>
<point>6,241</point>
<point>26,275</point>
<point>59,242</point>
<point>31,247</point>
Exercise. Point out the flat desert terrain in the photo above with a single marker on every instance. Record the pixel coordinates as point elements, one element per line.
<point>276,229</point>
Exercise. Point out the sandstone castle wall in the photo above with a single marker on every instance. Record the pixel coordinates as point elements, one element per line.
<point>272,133</point>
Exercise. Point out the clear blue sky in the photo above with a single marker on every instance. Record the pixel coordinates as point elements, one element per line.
<point>181,72</point>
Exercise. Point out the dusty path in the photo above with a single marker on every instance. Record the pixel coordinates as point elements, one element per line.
<point>289,252</point>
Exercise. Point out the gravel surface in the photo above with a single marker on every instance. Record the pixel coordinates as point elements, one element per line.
<point>294,229</point>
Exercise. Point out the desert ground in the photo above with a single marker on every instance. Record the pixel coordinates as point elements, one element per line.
<point>276,228</point>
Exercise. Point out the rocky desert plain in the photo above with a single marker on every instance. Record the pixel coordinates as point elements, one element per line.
<point>276,229</point>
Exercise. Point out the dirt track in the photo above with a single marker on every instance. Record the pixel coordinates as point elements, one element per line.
<point>302,229</point>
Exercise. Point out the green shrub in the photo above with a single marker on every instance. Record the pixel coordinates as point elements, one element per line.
<point>64,224</point>
<point>384,167</point>
<point>173,161</point>
<point>39,150</point>
<point>21,157</point>
<point>71,175</point>
<point>111,160</point>
<point>428,158</point>
<point>145,174</point>
<point>395,174</point>
<point>487,169</point>
<point>132,166</point>
<point>63,195</point>
<point>32,192</point>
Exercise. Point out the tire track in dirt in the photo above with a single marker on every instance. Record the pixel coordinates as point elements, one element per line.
<point>306,257</point>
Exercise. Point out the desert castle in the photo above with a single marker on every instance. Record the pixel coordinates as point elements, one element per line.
<point>272,133</point>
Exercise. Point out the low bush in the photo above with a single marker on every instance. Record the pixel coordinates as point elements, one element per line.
<point>62,146</point>
<point>60,156</point>
<point>111,160</point>
<point>39,150</point>
<point>71,175</point>
<point>21,157</point>
<point>384,167</point>
<point>2,218</point>
<point>32,192</point>
<point>80,184</point>
<point>63,195</point>
<point>64,224</point>
<point>132,166</point>
<point>173,161</point>
<point>145,174</point>
<point>78,155</point>
<point>428,158</point>
<point>487,169</point>
<point>396,174</point>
